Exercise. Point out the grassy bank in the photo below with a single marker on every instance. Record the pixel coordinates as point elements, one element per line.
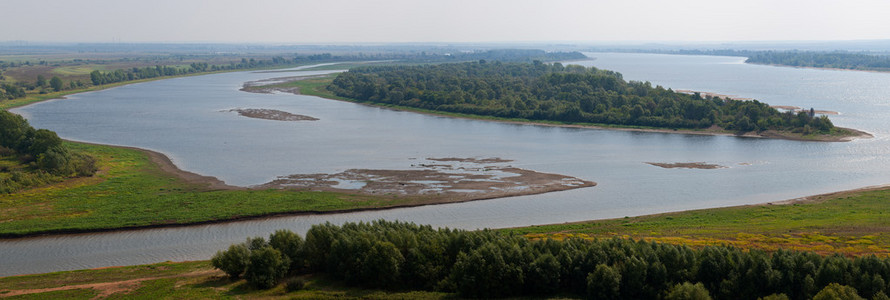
<point>852,223</point>
<point>132,191</point>
<point>188,280</point>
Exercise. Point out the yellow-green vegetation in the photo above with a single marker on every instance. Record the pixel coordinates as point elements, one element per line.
<point>131,191</point>
<point>851,223</point>
<point>188,280</point>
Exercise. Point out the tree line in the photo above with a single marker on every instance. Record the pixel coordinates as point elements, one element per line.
<point>872,61</point>
<point>18,89</point>
<point>553,92</point>
<point>491,264</point>
<point>42,156</point>
<point>835,59</point>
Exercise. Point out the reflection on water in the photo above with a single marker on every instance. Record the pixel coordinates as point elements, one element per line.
<point>350,136</point>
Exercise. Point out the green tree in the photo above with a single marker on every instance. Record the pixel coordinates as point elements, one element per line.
<point>266,267</point>
<point>775,297</point>
<point>543,275</point>
<point>41,81</point>
<point>688,291</point>
<point>604,283</point>
<point>291,245</point>
<point>56,83</point>
<point>835,291</point>
<point>381,267</point>
<point>232,261</point>
<point>44,140</point>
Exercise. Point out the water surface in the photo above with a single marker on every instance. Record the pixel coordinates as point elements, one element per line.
<point>186,119</point>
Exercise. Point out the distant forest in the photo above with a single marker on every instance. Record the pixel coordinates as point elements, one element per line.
<point>553,92</point>
<point>836,60</point>
<point>19,89</point>
<point>865,61</point>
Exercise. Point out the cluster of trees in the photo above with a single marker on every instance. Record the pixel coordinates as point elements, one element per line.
<point>488,264</point>
<point>17,90</point>
<point>836,59</point>
<point>553,92</point>
<point>795,58</point>
<point>502,55</point>
<point>9,92</point>
<point>42,153</point>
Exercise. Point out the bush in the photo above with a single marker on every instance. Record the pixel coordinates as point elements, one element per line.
<point>295,284</point>
<point>266,267</point>
<point>233,261</point>
<point>688,291</point>
<point>775,297</point>
<point>291,245</point>
<point>836,291</point>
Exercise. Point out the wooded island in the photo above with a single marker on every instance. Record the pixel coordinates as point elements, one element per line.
<point>570,94</point>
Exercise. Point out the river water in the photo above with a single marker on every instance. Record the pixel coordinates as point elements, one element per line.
<point>188,120</point>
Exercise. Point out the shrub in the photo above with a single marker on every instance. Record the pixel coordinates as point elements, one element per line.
<point>291,245</point>
<point>836,291</point>
<point>266,267</point>
<point>233,261</point>
<point>688,291</point>
<point>295,284</point>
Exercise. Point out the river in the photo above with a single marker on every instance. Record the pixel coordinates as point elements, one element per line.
<point>255,151</point>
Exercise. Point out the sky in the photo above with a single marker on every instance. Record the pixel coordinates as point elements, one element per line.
<point>416,21</point>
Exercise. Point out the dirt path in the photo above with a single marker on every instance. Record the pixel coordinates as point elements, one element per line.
<point>106,289</point>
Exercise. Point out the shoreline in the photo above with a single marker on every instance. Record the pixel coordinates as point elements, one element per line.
<point>817,68</point>
<point>799,200</point>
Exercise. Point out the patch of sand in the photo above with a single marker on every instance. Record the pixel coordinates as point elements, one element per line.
<point>271,114</point>
<point>687,165</point>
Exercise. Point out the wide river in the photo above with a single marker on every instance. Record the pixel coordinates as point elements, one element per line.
<point>188,120</point>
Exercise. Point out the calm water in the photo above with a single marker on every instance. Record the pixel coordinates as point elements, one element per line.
<point>184,119</point>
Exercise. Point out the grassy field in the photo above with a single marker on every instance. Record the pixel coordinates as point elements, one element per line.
<point>131,191</point>
<point>852,223</point>
<point>188,280</point>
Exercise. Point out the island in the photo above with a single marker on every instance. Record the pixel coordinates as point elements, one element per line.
<point>573,95</point>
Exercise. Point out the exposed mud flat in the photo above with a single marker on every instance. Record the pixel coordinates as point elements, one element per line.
<point>491,160</point>
<point>267,86</point>
<point>271,114</point>
<point>715,95</point>
<point>687,165</point>
<point>465,179</point>
<point>798,109</point>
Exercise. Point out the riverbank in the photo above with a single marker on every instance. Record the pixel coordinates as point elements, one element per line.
<point>851,223</point>
<point>315,86</point>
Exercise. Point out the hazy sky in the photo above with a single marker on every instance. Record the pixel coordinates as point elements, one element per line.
<point>341,21</point>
